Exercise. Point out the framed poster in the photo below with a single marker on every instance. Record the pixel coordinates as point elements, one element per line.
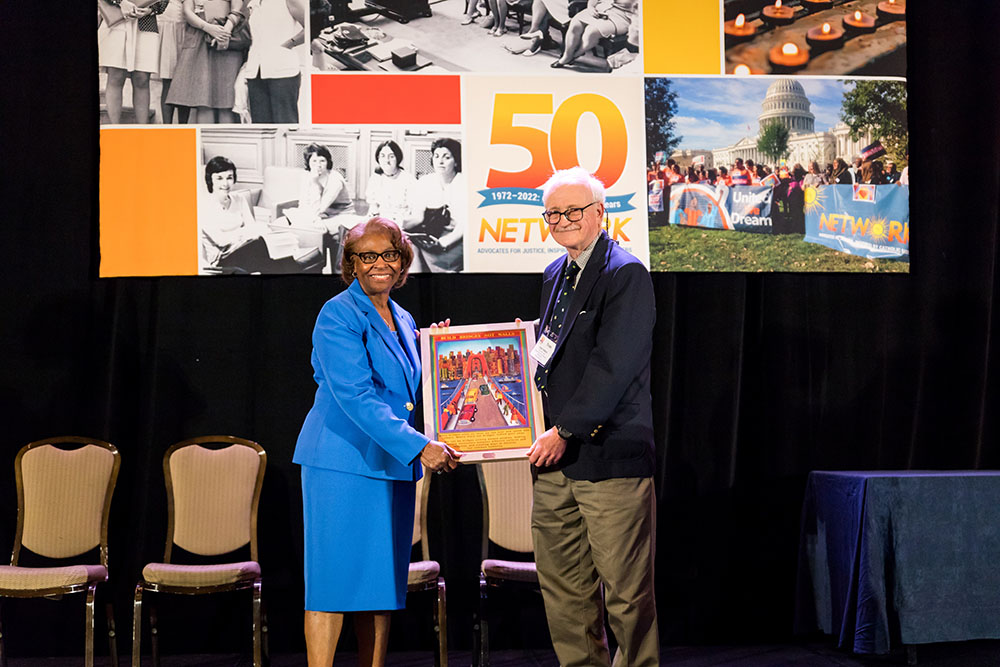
<point>479,396</point>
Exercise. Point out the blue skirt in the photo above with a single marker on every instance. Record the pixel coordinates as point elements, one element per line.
<point>358,538</point>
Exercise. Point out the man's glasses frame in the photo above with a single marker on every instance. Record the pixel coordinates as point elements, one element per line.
<point>371,257</point>
<point>571,214</point>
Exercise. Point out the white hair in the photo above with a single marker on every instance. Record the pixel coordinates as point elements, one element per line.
<point>574,176</point>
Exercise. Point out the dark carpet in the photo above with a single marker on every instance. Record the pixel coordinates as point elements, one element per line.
<point>958,654</point>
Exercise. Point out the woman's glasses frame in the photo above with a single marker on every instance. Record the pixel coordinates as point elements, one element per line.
<point>389,256</point>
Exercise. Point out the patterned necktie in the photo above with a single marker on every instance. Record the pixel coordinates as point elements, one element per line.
<point>554,327</point>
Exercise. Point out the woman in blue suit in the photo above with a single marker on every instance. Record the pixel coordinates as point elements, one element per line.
<point>359,452</point>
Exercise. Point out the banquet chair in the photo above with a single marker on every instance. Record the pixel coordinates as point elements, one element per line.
<point>63,505</point>
<point>507,499</point>
<point>212,498</point>
<point>424,575</point>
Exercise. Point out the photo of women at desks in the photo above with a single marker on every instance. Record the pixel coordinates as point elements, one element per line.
<point>355,35</point>
<point>294,223</point>
<point>575,36</point>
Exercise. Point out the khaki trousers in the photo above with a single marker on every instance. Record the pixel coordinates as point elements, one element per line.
<point>586,533</point>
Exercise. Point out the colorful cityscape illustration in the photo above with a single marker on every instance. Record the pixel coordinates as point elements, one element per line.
<point>479,382</point>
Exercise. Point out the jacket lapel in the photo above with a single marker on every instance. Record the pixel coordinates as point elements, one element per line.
<point>389,338</point>
<point>584,286</point>
<point>410,344</point>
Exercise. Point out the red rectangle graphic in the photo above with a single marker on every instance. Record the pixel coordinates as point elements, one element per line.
<point>399,99</point>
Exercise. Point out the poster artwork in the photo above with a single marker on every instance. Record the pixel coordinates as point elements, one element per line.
<point>478,392</point>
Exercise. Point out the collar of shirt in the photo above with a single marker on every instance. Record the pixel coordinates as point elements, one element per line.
<point>583,258</point>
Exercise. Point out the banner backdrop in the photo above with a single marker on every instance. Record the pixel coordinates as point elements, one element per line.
<point>414,116</point>
<point>520,130</point>
<point>874,227</point>
<point>743,208</point>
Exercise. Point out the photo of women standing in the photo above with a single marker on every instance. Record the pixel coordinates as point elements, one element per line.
<point>205,76</point>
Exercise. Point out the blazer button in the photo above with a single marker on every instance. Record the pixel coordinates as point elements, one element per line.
<point>409,406</point>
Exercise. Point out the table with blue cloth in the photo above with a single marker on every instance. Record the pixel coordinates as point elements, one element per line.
<point>900,558</point>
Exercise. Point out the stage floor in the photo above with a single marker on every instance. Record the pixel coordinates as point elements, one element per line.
<point>959,654</point>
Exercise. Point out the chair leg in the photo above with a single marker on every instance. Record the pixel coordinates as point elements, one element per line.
<point>266,646</point>
<point>154,635</point>
<point>109,612</point>
<point>3,648</point>
<point>137,626</point>
<point>88,648</point>
<point>256,624</point>
<point>441,625</point>
<point>481,656</point>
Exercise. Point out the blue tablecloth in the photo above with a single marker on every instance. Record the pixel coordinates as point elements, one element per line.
<point>889,558</point>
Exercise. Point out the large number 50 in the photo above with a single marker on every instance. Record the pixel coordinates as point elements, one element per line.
<point>558,148</point>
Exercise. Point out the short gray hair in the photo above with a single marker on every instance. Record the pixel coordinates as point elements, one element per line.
<point>574,176</point>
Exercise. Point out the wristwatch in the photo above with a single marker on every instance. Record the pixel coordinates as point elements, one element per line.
<point>563,433</point>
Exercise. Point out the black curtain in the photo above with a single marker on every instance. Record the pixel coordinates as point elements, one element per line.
<point>758,379</point>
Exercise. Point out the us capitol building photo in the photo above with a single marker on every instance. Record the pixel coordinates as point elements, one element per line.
<point>785,102</point>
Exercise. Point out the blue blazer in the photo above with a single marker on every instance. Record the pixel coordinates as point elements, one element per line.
<point>362,419</point>
<point>598,382</point>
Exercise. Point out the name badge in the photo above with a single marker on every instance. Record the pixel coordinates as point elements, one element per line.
<point>543,350</point>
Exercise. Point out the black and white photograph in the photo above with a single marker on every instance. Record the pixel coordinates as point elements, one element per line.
<point>202,61</point>
<point>508,36</point>
<point>275,200</point>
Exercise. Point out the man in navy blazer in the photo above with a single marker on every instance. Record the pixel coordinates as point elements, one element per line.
<point>594,514</point>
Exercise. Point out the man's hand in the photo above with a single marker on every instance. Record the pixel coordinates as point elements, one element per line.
<point>547,450</point>
<point>439,457</point>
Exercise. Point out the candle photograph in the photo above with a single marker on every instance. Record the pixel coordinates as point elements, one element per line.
<point>775,173</point>
<point>825,37</point>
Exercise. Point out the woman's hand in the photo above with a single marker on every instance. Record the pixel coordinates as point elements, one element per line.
<point>216,32</point>
<point>439,457</point>
<point>436,325</point>
<point>130,11</point>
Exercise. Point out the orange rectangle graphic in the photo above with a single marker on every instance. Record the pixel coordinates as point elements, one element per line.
<point>148,199</point>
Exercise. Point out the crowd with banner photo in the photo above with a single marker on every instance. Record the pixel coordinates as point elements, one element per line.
<point>755,198</point>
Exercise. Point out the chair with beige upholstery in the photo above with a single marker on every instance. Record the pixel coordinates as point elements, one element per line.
<point>63,504</point>
<point>212,497</point>
<point>507,496</point>
<point>424,575</point>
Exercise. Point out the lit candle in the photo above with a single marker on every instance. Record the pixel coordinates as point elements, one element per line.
<point>859,23</point>
<point>788,57</point>
<point>817,5</point>
<point>825,37</point>
<point>777,14</point>
<point>744,70</point>
<point>891,10</point>
<point>739,30</point>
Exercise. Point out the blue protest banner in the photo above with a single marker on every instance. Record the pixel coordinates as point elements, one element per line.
<point>876,228</point>
<point>749,208</point>
<point>743,208</point>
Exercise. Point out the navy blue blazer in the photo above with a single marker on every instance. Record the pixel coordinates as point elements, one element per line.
<point>361,421</point>
<point>598,382</point>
